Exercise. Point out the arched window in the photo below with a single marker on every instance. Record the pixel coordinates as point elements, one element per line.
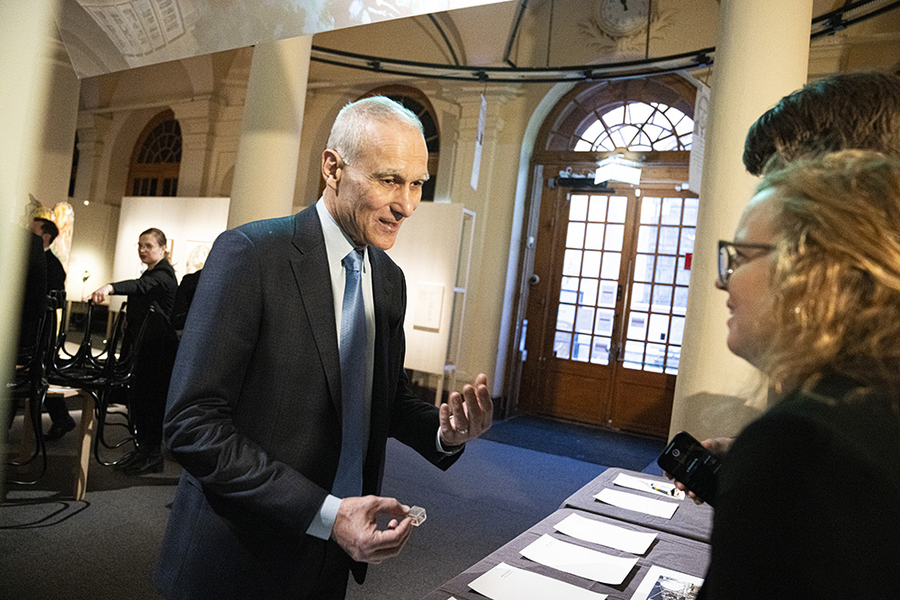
<point>638,126</point>
<point>156,159</point>
<point>418,103</point>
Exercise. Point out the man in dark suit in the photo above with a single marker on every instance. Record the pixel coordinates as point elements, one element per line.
<point>61,421</point>
<point>257,413</point>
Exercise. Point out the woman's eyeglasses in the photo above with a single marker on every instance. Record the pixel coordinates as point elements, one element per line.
<point>732,255</point>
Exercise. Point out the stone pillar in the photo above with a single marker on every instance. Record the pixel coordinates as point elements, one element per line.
<point>762,54</point>
<point>266,169</point>
<point>195,119</point>
<point>92,131</point>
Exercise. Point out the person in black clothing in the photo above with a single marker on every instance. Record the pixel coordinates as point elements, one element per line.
<point>807,495</point>
<point>156,354</point>
<point>183,298</point>
<point>62,421</point>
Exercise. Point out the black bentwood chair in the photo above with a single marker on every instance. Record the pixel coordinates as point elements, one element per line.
<point>30,384</point>
<point>107,376</point>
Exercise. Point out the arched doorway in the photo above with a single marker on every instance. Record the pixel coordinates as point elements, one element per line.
<point>611,263</point>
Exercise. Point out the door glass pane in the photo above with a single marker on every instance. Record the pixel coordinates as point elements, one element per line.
<point>643,267</point>
<point>676,333</point>
<point>565,317</point>
<point>655,358</point>
<point>668,240</point>
<point>572,263</point>
<point>662,298</point>
<point>682,276</point>
<point>591,267</point>
<point>611,263</point>
<point>604,323</point>
<point>647,238</point>
<point>634,355</point>
<point>600,353</point>
<point>584,321</point>
<point>598,209</point>
<point>637,326</point>
<point>659,328</point>
<point>618,206</point>
<point>578,207</point>
<point>561,344</point>
<point>615,234</point>
<point>569,291</point>
<point>665,269</point>
<point>674,356</point>
<point>575,235</point>
<point>640,296</point>
<point>679,306</point>
<point>608,291</point>
<point>650,210</point>
<point>588,292</point>
<point>594,236</point>
<point>687,240</point>
<point>581,350</point>
<point>671,211</point>
<point>690,212</point>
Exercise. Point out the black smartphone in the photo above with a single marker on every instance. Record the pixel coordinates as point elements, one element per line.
<point>689,462</point>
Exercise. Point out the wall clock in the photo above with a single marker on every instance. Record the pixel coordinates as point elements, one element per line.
<point>620,18</point>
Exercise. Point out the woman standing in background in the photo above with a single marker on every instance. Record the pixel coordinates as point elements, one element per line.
<point>156,355</point>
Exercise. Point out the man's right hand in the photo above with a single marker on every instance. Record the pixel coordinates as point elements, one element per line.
<point>356,528</point>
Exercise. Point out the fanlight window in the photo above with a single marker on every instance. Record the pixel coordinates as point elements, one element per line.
<point>638,126</point>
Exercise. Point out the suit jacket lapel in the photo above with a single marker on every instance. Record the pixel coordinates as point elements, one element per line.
<point>313,279</point>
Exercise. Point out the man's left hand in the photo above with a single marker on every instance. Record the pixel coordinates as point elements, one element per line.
<point>466,416</point>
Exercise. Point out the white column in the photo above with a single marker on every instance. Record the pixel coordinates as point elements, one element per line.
<point>266,169</point>
<point>26,40</point>
<point>762,54</point>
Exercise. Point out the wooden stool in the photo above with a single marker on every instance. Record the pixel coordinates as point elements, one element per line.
<point>86,430</point>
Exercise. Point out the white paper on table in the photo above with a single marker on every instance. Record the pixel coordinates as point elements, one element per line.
<point>579,561</point>
<point>649,506</point>
<point>612,536</point>
<point>653,486</point>
<point>654,574</point>
<point>505,582</point>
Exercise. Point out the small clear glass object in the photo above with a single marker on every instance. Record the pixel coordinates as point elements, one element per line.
<point>417,513</point>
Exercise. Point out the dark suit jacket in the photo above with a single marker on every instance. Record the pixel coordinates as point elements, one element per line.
<point>56,274</point>
<point>254,413</point>
<point>808,504</point>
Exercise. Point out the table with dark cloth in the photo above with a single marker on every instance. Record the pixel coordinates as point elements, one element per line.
<point>669,551</point>
<point>690,520</point>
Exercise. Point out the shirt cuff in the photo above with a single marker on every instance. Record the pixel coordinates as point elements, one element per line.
<point>446,450</point>
<point>323,522</point>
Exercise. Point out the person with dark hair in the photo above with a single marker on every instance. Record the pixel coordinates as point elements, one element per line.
<point>290,379</point>
<point>855,110</point>
<point>813,283</point>
<point>156,354</point>
<point>61,421</point>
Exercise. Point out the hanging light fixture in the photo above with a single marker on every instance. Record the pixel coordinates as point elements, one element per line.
<point>618,168</point>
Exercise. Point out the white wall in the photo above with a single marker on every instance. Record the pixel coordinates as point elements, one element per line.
<point>187,223</point>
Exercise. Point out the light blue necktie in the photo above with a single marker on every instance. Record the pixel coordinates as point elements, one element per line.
<point>355,428</point>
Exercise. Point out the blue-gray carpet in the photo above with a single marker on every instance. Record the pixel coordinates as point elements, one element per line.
<point>581,442</point>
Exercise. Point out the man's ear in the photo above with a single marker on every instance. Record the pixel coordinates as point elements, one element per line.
<point>332,168</point>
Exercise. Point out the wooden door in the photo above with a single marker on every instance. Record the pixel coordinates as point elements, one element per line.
<point>606,313</point>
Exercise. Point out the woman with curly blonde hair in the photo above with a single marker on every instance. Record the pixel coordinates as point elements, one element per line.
<point>808,504</point>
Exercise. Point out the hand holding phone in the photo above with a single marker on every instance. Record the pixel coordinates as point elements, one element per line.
<point>694,466</point>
